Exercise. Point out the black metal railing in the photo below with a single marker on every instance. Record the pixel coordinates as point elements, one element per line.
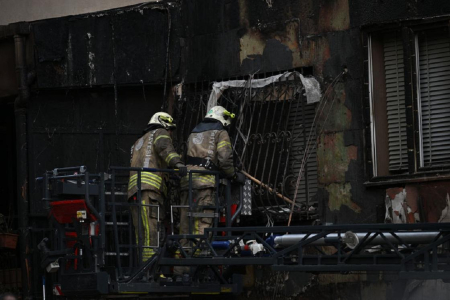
<point>130,246</point>
<point>419,251</point>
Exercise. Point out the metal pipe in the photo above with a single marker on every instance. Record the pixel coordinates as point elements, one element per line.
<point>81,169</point>
<point>352,239</point>
<point>20,106</point>
<point>228,204</point>
<point>114,217</point>
<point>241,203</point>
<point>267,187</point>
<point>88,201</point>
<point>102,220</point>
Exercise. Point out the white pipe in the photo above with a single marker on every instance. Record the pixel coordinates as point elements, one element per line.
<point>352,239</point>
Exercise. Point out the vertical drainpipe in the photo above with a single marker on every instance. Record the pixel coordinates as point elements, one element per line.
<point>20,108</point>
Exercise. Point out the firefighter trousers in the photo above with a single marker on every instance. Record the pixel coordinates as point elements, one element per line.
<point>200,198</point>
<point>148,223</point>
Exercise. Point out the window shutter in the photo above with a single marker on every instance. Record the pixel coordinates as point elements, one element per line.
<point>434,97</point>
<point>300,132</point>
<point>395,100</point>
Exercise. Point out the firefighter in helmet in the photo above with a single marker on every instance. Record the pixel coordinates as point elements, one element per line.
<point>209,148</point>
<point>153,150</point>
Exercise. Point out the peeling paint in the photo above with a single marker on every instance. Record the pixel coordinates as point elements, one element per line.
<point>426,202</point>
<point>445,216</point>
<point>340,194</point>
<point>289,37</point>
<point>334,16</point>
<point>91,56</point>
<point>395,199</point>
<point>314,51</point>
<point>333,158</point>
<point>251,44</point>
<point>254,42</point>
<point>336,116</point>
<point>401,205</point>
<point>92,79</point>
<point>69,60</point>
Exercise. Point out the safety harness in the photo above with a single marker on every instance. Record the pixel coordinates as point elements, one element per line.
<point>202,162</point>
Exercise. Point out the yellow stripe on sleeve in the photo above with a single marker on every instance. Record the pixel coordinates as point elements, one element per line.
<point>223,144</point>
<point>162,137</point>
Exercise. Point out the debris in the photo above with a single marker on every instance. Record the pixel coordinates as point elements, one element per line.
<point>311,85</point>
<point>445,216</point>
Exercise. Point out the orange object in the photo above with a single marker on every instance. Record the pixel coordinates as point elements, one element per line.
<point>8,240</point>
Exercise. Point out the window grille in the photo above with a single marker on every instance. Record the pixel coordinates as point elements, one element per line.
<point>276,125</point>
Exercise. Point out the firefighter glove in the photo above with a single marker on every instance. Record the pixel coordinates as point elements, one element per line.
<point>182,169</point>
<point>239,177</point>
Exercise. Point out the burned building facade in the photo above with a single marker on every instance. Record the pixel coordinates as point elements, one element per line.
<point>86,86</point>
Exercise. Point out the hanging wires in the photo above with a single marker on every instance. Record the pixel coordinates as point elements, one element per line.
<point>269,223</point>
<point>311,145</point>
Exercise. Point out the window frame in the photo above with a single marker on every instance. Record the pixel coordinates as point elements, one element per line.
<point>416,170</point>
<point>420,152</point>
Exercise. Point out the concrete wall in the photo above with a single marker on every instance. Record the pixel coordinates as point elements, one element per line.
<point>12,11</point>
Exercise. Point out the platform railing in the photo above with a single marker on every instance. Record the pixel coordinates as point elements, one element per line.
<point>114,184</point>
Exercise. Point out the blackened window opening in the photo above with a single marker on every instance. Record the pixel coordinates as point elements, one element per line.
<point>270,135</point>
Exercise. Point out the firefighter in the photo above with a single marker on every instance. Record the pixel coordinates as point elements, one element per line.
<point>209,148</point>
<point>153,150</point>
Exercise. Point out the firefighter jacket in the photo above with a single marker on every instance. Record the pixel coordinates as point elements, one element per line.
<point>208,144</point>
<point>153,150</point>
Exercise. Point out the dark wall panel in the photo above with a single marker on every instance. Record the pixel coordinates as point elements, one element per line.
<point>121,46</point>
<point>85,127</point>
<point>211,57</point>
<point>363,12</point>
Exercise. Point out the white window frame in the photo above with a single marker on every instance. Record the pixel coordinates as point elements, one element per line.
<point>419,101</point>
<point>372,119</point>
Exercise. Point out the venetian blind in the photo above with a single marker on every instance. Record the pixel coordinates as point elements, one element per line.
<point>395,101</point>
<point>434,97</point>
<point>296,122</point>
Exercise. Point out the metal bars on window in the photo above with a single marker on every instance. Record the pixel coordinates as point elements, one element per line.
<point>270,136</point>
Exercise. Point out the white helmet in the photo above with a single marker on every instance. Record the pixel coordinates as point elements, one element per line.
<point>219,113</point>
<point>164,119</point>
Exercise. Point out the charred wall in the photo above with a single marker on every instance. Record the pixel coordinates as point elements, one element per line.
<point>255,37</point>
<point>381,11</point>
<point>93,127</point>
<point>92,95</point>
<point>99,78</point>
<point>126,46</point>
<point>211,40</point>
<point>236,38</point>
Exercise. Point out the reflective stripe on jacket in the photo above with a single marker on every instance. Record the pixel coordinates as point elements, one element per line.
<point>153,150</point>
<point>211,142</point>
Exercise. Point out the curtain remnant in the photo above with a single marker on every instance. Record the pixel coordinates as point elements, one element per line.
<point>311,85</point>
